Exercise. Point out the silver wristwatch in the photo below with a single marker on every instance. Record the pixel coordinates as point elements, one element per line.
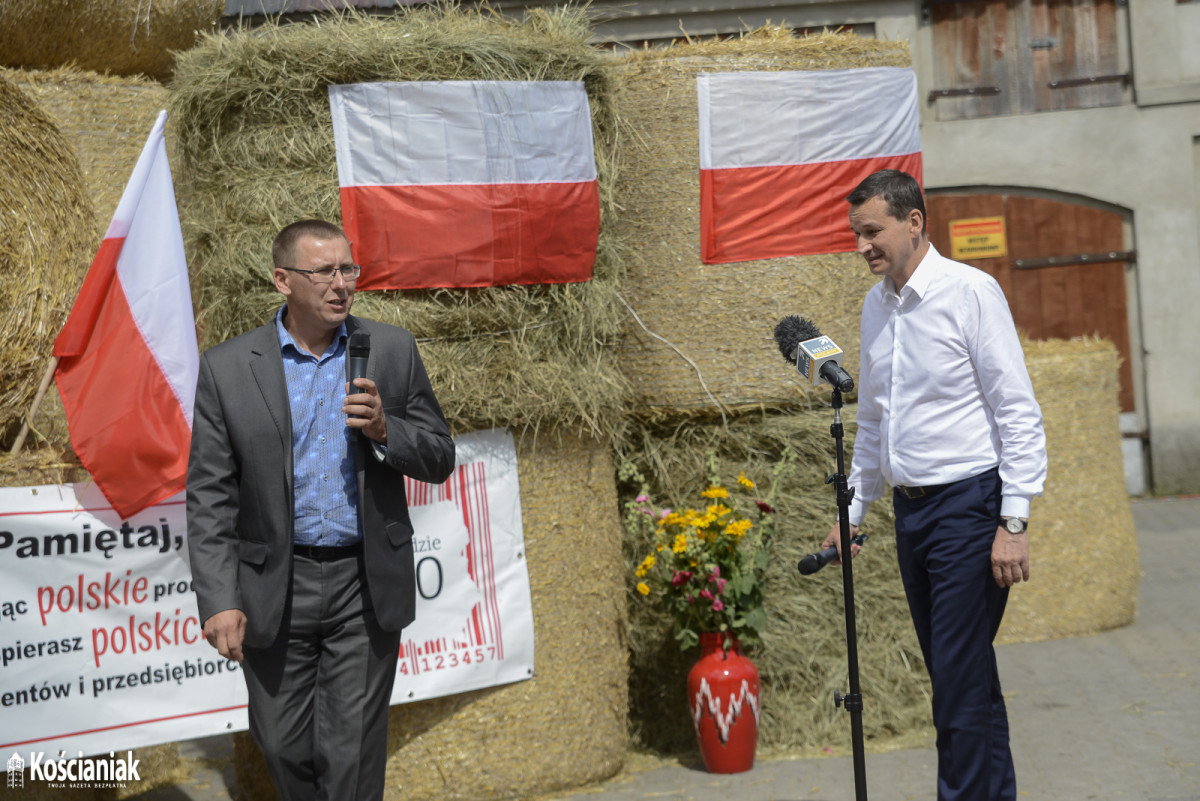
<point>1014,525</point>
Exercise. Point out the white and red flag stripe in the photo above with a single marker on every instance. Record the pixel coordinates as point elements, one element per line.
<point>467,183</point>
<point>779,152</point>
<point>127,355</point>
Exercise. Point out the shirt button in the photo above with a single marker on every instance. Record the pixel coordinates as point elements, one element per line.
<point>322,402</point>
<point>322,440</point>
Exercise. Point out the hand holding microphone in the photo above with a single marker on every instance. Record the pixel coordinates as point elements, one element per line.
<point>815,561</point>
<point>362,405</point>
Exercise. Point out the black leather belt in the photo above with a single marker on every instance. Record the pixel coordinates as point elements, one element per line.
<point>913,493</point>
<point>327,553</point>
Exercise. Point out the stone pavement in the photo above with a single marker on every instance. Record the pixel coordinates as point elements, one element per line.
<point>1114,715</point>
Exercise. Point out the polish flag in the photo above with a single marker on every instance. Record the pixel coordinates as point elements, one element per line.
<point>127,356</point>
<point>779,152</point>
<point>467,183</point>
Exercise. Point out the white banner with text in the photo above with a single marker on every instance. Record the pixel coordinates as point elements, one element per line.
<point>101,649</point>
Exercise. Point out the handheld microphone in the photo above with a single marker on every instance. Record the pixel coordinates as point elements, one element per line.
<point>358,350</point>
<point>815,356</point>
<point>815,561</point>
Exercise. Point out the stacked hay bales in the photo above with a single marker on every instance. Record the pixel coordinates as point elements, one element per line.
<point>253,124</point>
<point>1082,539</point>
<point>106,121</point>
<point>703,345</point>
<point>46,231</point>
<point>254,135</point>
<point>110,36</point>
<point>719,316</point>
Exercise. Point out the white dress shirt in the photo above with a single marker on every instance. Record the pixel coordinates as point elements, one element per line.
<point>943,389</point>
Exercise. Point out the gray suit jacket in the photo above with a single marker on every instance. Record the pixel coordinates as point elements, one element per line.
<point>240,509</point>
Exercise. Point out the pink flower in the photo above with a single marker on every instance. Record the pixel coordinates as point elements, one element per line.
<point>765,508</point>
<point>721,585</point>
<point>642,498</point>
<point>718,605</point>
<point>706,595</point>
<point>680,578</point>
<point>716,573</point>
<point>691,599</point>
<point>664,513</point>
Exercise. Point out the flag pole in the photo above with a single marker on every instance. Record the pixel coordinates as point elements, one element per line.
<point>37,401</point>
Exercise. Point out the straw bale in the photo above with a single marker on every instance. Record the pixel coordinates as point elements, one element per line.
<point>256,138</point>
<point>105,119</point>
<point>802,659</point>
<point>52,464</point>
<point>112,36</point>
<point>564,727</point>
<point>1083,545</point>
<point>719,316</point>
<point>46,225</point>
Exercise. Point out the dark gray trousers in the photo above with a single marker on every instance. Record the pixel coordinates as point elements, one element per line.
<point>319,695</point>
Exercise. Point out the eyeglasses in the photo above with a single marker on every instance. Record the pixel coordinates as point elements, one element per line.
<point>324,275</point>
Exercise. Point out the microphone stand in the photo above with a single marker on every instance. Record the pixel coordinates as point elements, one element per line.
<point>852,701</point>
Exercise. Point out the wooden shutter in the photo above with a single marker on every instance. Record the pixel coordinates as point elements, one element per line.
<point>998,57</point>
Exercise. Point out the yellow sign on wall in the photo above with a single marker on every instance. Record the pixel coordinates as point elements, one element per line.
<point>978,238</point>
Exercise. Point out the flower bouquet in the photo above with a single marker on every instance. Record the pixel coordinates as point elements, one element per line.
<point>706,565</point>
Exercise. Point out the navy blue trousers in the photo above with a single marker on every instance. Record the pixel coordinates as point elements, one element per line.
<point>944,546</point>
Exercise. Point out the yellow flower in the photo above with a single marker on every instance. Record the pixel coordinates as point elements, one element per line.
<point>715,492</point>
<point>745,482</point>
<point>645,566</point>
<point>642,588</point>
<point>738,528</point>
<point>680,544</point>
<point>718,510</point>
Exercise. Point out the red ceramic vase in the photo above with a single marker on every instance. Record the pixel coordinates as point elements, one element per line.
<point>723,692</point>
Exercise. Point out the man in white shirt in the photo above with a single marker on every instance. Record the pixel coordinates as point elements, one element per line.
<point>947,417</point>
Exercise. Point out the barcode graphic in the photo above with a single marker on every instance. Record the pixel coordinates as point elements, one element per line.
<point>467,489</point>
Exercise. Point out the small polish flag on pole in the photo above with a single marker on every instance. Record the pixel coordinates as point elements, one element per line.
<point>779,152</point>
<point>127,356</point>
<point>467,183</point>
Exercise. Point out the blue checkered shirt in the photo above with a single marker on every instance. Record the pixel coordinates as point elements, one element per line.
<point>325,489</point>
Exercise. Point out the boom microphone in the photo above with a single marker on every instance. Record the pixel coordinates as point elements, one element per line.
<point>815,561</point>
<point>358,350</point>
<point>815,356</point>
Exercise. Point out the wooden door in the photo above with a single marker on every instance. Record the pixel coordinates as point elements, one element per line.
<point>1064,272</point>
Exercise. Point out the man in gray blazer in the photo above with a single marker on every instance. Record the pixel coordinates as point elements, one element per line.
<point>298,527</point>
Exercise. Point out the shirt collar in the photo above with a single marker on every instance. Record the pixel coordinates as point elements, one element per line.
<point>918,283</point>
<point>286,340</point>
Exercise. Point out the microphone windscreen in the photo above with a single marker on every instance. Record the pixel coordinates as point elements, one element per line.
<point>810,564</point>
<point>790,332</point>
